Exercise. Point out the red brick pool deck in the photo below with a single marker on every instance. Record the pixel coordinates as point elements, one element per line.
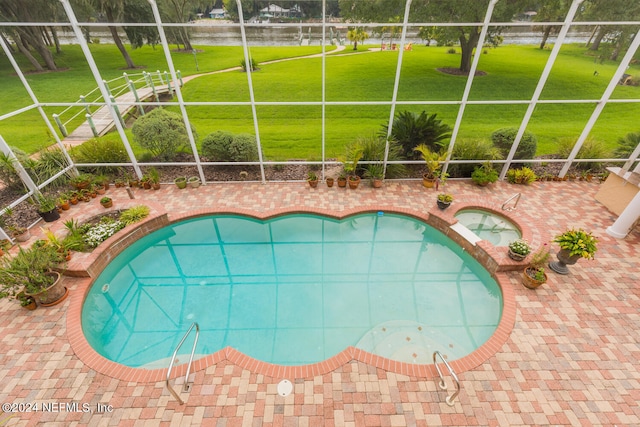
<point>568,354</point>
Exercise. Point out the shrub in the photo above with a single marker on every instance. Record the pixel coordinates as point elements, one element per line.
<point>503,140</point>
<point>410,129</point>
<point>104,149</point>
<point>222,146</point>
<point>591,149</point>
<point>626,146</point>
<point>161,132</point>
<point>134,214</point>
<point>254,64</point>
<point>215,146</point>
<point>484,174</point>
<point>244,148</point>
<point>8,172</point>
<point>50,163</point>
<point>471,149</point>
<point>373,150</point>
<point>523,176</point>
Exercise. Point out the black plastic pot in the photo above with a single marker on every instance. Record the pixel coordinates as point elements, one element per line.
<point>50,216</point>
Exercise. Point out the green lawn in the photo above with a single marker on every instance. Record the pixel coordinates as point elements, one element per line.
<point>289,132</point>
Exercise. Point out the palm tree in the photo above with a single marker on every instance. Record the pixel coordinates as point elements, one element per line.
<point>410,129</point>
<point>357,35</point>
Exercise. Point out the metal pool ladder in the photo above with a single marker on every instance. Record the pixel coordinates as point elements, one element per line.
<point>515,196</point>
<point>186,386</point>
<point>443,386</point>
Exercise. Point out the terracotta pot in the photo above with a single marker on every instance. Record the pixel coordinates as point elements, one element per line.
<point>529,282</point>
<point>329,182</point>
<point>66,205</point>
<point>342,182</point>
<point>52,295</point>
<point>428,182</point>
<point>107,205</point>
<point>376,183</point>
<point>313,183</point>
<point>354,181</point>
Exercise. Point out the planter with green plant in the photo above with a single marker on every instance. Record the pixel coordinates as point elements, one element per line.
<point>375,172</point>
<point>81,181</point>
<point>154,178</point>
<point>444,200</point>
<point>574,244</point>
<point>351,166</point>
<point>312,179</point>
<point>534,274</point>
<point>106,202</point>
<point>519,249</point>
<point>32,271</point>
<point>523,176</point>
<point>432,161</point>
<point>47,208</point>
<point>342,179</point>
<point>484,175</point>
<point>17,232</point>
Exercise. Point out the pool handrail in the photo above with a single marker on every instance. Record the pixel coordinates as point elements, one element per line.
<point>515,196</point>
<point>450,399</point>
<point>173,359</point>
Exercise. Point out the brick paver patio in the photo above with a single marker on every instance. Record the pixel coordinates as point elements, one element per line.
<point>571,358</point>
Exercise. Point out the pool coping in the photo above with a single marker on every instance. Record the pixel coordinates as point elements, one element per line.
<point>441,220</point>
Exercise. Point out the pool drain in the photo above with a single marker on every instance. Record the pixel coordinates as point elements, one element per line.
<point>285,388</point>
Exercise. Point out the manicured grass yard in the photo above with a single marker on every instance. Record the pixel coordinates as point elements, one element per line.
<point>289,132</point>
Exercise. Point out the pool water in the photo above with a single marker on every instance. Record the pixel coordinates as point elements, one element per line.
<point>489,226</point>
<point>292,290</point>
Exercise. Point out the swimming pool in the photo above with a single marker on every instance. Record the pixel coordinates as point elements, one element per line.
<point>489,226</point>
<point>292,290</point>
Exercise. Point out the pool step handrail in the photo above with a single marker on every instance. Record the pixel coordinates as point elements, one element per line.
<point>515,196</point>
<point>443,386</point>
<point>186,386</point>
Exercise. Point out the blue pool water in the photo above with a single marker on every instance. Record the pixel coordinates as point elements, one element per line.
<point>292,290</point>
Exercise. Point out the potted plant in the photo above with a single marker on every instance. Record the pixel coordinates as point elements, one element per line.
<point>119,183</point>
<point>432,162</point>
<point>47,208</point>
<point>523,176</point>
<point>534,274</point>
<point>375,173</point>
<point>154,178</point>
<point>484,175</point>
<point>519,249</point>
<point>106,202</point>
<point>27,302</point>
<point>351,166</point>
<point>342,179</point>
<point>574,244</point>
<point>81,181</point>
<point>444,200</point>
<point>180,182</point>
<point>329,181</point>
<point>32,271</point>
<point>312,179</point>
<point>194,182</point>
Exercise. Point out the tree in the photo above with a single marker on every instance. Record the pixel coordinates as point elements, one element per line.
<point>611,10</point>
<point>178,11</point>
<point>129,11</point>
<point>466,11</point>
<point>357,35</point>
<point>27,37</point>
<point>551,11</point>
<point>440,11</point>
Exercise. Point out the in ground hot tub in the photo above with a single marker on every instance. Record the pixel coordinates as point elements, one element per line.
<point>489,226</point>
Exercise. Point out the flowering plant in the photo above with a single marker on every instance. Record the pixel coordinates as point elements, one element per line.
<point>520,247</point>
<point>101,232</point>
